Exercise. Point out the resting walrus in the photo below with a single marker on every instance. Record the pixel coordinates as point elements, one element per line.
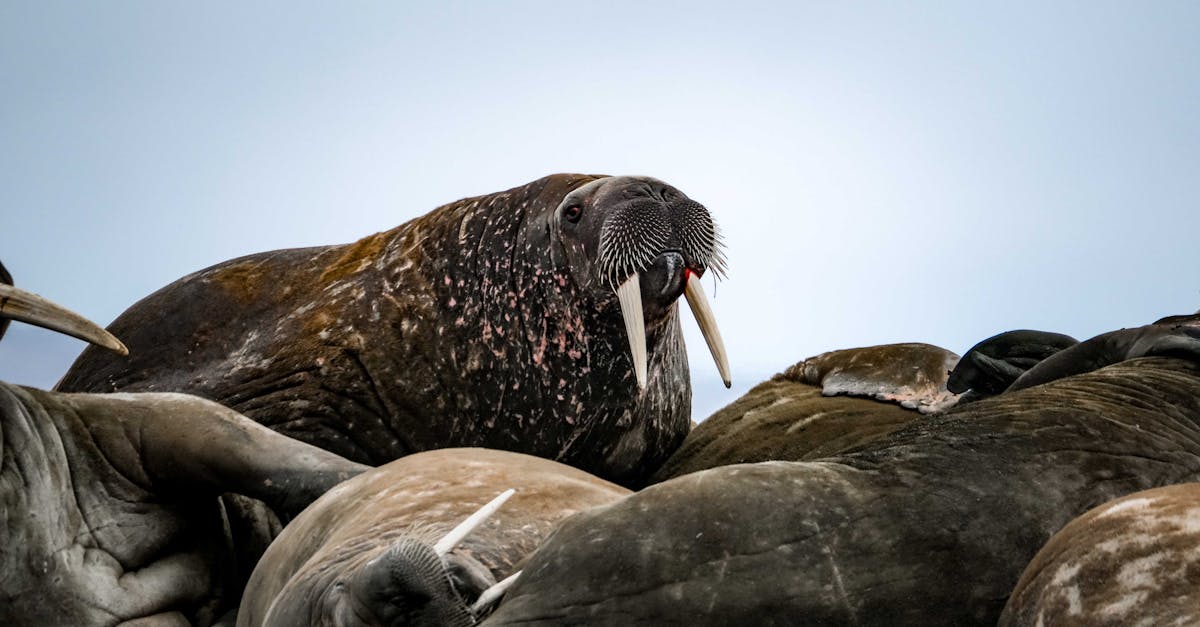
<point>494,321</point>
<point>1132,561</point>
<point>365,554</point>
<point>825,405</point>
<point>931,524</point>
<point>109,508</point>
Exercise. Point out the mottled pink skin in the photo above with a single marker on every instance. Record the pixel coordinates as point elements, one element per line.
<point>482,323</point>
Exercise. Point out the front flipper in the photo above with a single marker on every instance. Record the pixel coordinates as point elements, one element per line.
<point>1179,336</point>
<point>992,365</point>
<point>178,442</point>
<point>910,375</point>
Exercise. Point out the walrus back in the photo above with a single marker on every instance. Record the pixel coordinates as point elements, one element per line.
<point>186,326</point>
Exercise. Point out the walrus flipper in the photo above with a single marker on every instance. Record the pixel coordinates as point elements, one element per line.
<point>910,375</point>
<point>1180,337</point>
<point>992,365</point>
<point>192,443</point>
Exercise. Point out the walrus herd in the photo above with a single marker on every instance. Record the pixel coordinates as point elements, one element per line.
<point>512,367</point>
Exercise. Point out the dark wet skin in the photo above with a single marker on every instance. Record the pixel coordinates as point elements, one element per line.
<point>6,279</point>
<point>930,525</point>
<point>992,365</point>
<point>486,322</point>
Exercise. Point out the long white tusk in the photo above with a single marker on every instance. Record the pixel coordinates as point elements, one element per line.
<point>494,592</point>
<point>17,304</point>
<point>465,527</point>
<point>708,325</point>
<point>630,295</point>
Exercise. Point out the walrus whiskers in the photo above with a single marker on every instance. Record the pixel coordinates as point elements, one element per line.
<point>17,304</point>
<point>464,528</point>
<point>708,324</point>
<point>630,295</point>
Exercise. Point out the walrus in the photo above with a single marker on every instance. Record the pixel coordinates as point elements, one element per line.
<point>1173,335</point>
<point>931,524</point>
<point>989,367</point>
<point>110,503</point>
<point>541,320</point>
<point>368,553</point>
<point>826,405</point>
<point>1131,561</point>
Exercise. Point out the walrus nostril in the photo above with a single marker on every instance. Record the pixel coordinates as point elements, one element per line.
<point>663,277</point>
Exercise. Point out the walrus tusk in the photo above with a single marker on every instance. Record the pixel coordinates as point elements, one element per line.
<point>630,295</point>
<point>465,527</point>
<point>17,304</point>
<point>494,592</point>
<point>708,325</point>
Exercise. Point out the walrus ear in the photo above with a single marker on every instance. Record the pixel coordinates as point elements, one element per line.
<point>17,304</point>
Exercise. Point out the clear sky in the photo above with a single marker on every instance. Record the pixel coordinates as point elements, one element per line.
<point>883,172</point>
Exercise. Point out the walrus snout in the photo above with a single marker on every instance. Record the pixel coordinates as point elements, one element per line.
<point>650,243</point>
<point>662,284</point>
<point>659,242</point>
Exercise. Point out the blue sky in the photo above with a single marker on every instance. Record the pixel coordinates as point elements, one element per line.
<point>883,172</point>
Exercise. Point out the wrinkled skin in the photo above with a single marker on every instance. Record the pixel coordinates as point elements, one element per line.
<point>930,525</point>
<point>1132,561</point>
<point>111,508</point>
<point>363,552</point>
<point>826,405</point>
<point>487,322</point>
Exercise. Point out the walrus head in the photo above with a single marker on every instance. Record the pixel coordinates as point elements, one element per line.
<point>648,243</point>
<point>17,304</point>
<point>411,582</point>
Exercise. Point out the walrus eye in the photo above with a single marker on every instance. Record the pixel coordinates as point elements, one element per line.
<point>572,213</point>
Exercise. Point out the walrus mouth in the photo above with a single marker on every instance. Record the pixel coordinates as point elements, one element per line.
<point>679,234</point>
<point>461,531</point>
<point>17,304</point>
<point>629,294</point>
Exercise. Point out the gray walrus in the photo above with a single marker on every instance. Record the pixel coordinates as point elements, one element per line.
<point>929,525</point>
<point>365,553</point>
<point>109,503</point>
<point>541,319</point>
<point>1132,561</point>
<point>825,405</point>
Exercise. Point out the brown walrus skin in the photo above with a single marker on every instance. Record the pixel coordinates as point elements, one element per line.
<point>1132,561</point>
<point>930,525</point>
<point>487,322</point>
<point>826,405</point>
<point>355,556</point>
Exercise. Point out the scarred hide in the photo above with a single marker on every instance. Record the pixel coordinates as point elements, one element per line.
<point>491,321</point>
